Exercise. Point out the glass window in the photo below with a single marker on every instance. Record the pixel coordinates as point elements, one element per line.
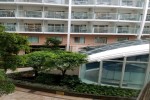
<point>111,73</point>
<point>122,38</point>
<point>92,65</point>
<point>92,75</point>
<point>100,40</point>
<point>138,58</point>
<point>79,39</point>
<point>134,75</point>
<point>32,39</point>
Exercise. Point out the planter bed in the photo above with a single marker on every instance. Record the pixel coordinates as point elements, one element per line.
<point>44,88</point>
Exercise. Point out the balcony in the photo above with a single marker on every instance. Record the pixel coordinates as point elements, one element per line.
<point>146,31</point>
<point>7,13</point>
<point>61,15</point>
<point>57,29</point>
<point>6,0</point>
<point>29,1</point>
<point>11,28</point>
<point>107,2</point>
<point>132,3</point>
<point>126,30</point>
<point>104,30</point>
<point>31,28</point>
<point>148,17</point>
<point>35,14</point>
<point>80,15</point>
<point>82,2</point>
<point>110,16</point>
<point>80,30</point>
<point>132,17</point>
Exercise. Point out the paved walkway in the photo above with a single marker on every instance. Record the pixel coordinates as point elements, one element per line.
<point>27,94</point>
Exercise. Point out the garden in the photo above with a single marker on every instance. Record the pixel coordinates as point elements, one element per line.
<point>43,63</point>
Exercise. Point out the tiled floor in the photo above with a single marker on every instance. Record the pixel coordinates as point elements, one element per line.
<point>26,94</point>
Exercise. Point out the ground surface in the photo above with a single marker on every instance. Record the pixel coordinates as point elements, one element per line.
<point>27,94</point>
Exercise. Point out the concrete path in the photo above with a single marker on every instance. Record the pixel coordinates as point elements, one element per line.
<point>27,94</point>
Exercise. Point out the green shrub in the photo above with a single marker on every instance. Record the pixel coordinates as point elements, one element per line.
<point>6,86</point>
<point>105,90</point>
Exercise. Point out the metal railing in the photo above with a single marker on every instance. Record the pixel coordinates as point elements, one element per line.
<point>57,29</point>
<point>10,27</point>
<point>61,15</point>
<point>133,17</point>
<point>6,0</point>
<point>31,28</point>
<point>7,13</point>
<point>30,14</point>
<point>82,15</point>
<point>104,2</point>
<point>104,30</point>
<point>111,16</point>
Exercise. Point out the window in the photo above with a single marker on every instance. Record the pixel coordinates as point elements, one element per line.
<point>100,40</point>
<point>33,39</point>
<point>122,38</point>
<point>79,39</point>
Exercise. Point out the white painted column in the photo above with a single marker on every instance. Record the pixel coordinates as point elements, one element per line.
<point>69,26</point>
<point>123,70</point>
<point>100,72</point>
<point>145,9</point>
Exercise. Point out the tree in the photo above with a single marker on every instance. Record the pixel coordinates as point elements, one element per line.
<point>37,59</point>
<point>64,61</point>
<point>10,45</point>
<point>53,42</point>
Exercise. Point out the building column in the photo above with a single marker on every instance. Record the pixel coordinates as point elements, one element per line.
<point>69,26</point>
<point>100,72</point>
<point>123,70</point>
<point>145,9</point>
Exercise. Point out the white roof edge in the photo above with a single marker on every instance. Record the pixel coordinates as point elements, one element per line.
<point>120,52</point>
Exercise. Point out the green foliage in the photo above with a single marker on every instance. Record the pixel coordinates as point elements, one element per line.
<point>6,86</point>
<point>37,60</point>
<point>53,42</point>
<point>10,45</point>
<point>64,61</point>
<point>105,90</point>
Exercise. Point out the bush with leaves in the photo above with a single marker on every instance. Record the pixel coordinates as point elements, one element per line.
<point>6,86</point>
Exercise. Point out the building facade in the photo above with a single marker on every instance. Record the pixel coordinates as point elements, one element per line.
<point>77,23</point>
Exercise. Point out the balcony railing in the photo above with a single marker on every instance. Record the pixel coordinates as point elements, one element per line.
<point>110,16</point>
<point>80,15</point>
<point>61,15</point>
<point>80,30</point>
<point>82,2</point>
<point>104,30</point>
<point>132,3</point>
<point>133,17</point>
<point>30,14</point>
<point>105,2</point>
<point>6,0</point>
<point>148,18</point>
<point>10,27</point>
<point>127,30</point>
<point>35,1</point>
<point>146,31</point>
<point>31,28</point>
<point>57,29</point>
<point>7,13</point>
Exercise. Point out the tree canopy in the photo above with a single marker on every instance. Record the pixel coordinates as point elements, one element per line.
<point>10,45</point>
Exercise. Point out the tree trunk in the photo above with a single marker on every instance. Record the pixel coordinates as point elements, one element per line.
<point>5,69</point>
<point>63,73</point>
<point>36,73</point>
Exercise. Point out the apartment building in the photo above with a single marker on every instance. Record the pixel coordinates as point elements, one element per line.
<point>77,23</point>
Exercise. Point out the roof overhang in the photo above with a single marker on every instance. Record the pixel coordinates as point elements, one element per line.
<point>120,52</point>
